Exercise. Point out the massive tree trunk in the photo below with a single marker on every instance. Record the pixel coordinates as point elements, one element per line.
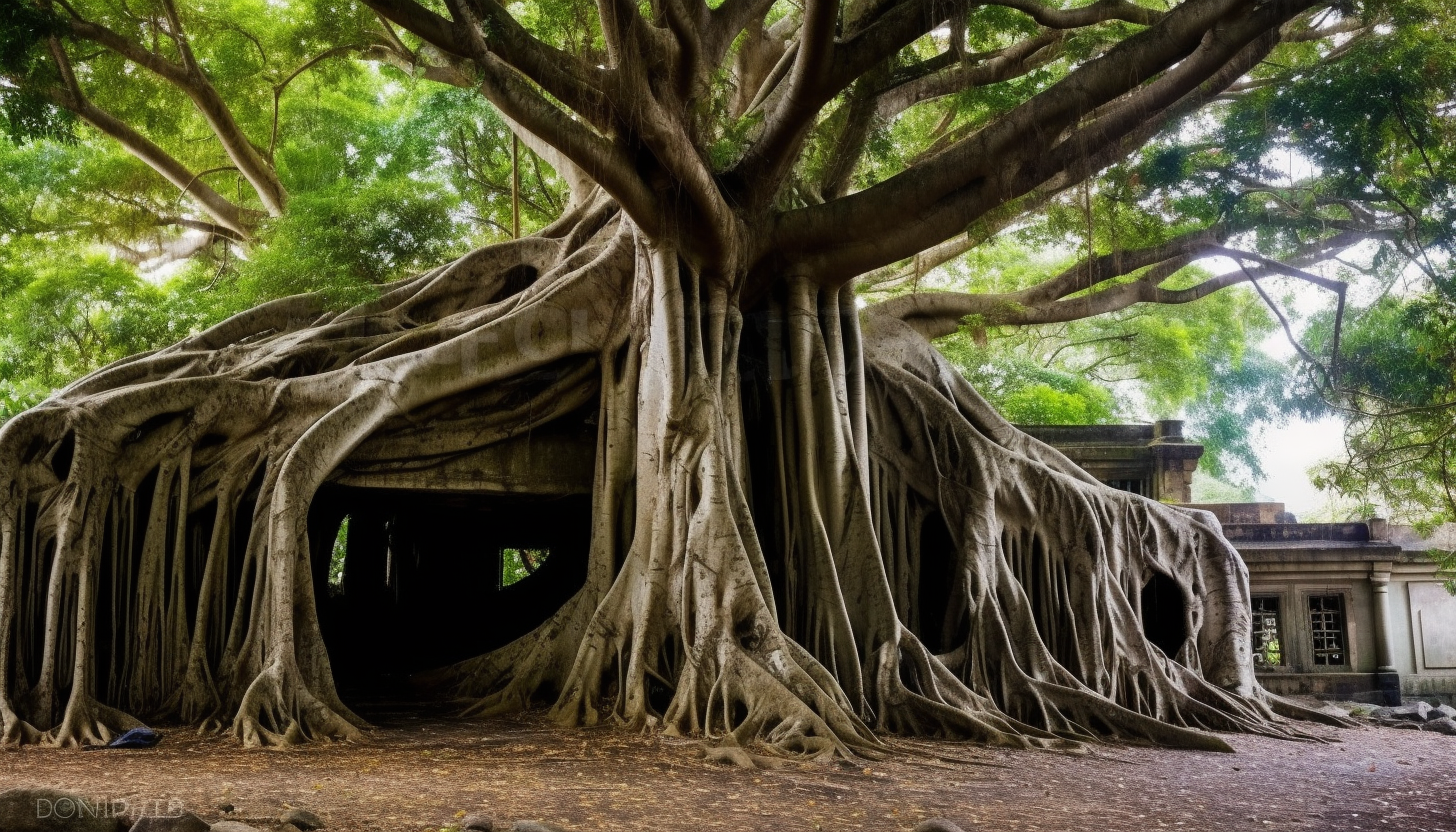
<point>806,527</point>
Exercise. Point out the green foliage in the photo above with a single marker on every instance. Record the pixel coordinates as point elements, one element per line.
<point>68,317</point>
<point>1029,393</point>
<point>27,114</point>
<point>519,564</point>
<point>337,555</point>
<point>1194,362</point>
<point>1210,489</point>
<point>386,176</point>
<point>461,139</point>
<point>1398,383</point>
<point>342,241</point>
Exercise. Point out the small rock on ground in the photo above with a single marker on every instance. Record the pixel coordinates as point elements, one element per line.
<point>936,825</point>
<point>187,822</point>
<point>477,823</point>
<point>233,826</point>
<point>52,810</point>
<point>1445,725</point>
<point>303,819</point>
<point>1414,712</point>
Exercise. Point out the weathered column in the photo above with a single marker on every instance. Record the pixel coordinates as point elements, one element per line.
<point>1387,680</point>
<point>1174,460</point>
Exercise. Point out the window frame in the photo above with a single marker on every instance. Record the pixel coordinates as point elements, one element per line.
<point>1346,645</point>
<point>1281,631</point>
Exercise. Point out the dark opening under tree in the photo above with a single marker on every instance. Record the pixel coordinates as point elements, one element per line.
<point>781,476</point>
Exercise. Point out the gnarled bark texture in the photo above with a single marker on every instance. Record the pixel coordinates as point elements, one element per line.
<point>806,527</point>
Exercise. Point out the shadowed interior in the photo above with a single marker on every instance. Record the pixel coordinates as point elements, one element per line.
<point>1165,614</point>
<point>422,584</point>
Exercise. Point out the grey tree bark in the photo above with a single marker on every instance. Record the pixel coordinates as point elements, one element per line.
<point>777,606</point>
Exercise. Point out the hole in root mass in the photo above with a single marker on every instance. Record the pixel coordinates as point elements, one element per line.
<point>413,581</point>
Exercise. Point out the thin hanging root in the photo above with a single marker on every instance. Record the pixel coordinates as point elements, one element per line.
<point>940,705</point>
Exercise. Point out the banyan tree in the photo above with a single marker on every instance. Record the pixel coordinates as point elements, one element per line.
<point>776,516</point>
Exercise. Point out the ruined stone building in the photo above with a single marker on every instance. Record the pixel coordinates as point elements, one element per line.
<point>1341,610</point>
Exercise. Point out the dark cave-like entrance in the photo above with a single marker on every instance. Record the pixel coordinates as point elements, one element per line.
<point>935,583</point>
<point>430,578</point>
<point>1164,614</point>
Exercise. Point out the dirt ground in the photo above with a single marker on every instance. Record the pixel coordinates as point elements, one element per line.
<point>421,773</point>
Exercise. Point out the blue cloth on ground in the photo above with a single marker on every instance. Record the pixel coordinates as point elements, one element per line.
<point>137,738</point>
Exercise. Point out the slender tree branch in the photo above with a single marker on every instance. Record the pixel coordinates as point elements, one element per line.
<point>222,211</point>
<point>1289,332</point>
<point>279,88</point>
<point>936,314</point>
<point>1125,337</point>
<point>190,80</point>
<point>1012,62</point>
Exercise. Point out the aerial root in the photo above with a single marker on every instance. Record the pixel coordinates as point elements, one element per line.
<point>16,731</point>
<point>941,705</point>
<point>768,699</point>
<point>1293,710</point>
<point>279,711</point>
<point>89,723</point>
<point>512,675</point>
<point>728,754</point>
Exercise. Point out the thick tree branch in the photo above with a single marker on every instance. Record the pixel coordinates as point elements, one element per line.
<point>563,76</point>
<point>939,197</point>
<point>513,95</point>
<point>727,22</point>
<point>758,174</point>
<point>191,81</point>
<point>1098,12</point>
<point>878,97</point>
<point>1105,267</point>
<point>851,140</point>
<point>936,314</point>
<point>762,169</point>
<point>1012,62</point>
<point>226,214</point>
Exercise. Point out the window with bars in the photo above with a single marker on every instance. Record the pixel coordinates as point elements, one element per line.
<point>1268,647</point>
<point>1139,487</point>
<point>1327,629</point>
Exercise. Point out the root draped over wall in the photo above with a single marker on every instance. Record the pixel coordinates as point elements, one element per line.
<point>807,528</point>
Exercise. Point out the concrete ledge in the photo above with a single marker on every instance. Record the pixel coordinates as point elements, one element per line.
<point>1429,688</point>
<point>1353,687</point>
<point>1283,532</point>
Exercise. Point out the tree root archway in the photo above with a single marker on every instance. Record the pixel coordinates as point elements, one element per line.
<point>423,583</point>
<point>804,527</point>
